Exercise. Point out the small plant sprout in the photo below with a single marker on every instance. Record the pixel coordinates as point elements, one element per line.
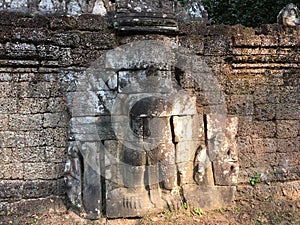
<point>198,211</point>
<point>185,205</point>
<point>254,180</point>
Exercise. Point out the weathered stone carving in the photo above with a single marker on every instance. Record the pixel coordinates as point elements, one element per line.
<point>157,15</point>
<point>289,15</point>
<point>191,11</point>
<point>147,163</point>
<point>146,15</point>
<point>138,142</point>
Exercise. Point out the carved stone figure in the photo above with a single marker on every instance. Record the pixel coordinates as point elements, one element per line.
<point>139,143</point>
<point>289,15</point>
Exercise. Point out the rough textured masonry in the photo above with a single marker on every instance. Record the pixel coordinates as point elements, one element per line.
<point>42,59</point>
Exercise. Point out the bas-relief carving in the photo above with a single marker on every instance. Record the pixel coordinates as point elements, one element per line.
<point>149,168</point>
<point>154,148</point>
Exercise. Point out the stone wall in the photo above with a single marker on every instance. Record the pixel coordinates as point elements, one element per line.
<point>41,57</point>
<point>259,72</point>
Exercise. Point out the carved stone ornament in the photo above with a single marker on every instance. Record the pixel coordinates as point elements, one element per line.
<point>156,15</point>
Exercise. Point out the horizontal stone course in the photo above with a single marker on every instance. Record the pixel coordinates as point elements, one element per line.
<point>50,204</point>
<point>29,189</point>
<point>25,122</point>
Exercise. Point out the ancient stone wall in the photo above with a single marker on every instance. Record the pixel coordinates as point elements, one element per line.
<point>259,73</point>
<point>41,59</point>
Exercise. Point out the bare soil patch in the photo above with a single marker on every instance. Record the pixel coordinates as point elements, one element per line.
<point>269,211</point>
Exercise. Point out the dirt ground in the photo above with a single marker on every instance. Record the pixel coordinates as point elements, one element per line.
<point>246,212</point>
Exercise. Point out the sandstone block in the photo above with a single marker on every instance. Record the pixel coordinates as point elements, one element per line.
<point>12,138</point>
<point>31,154</point>
<point>288,145</point>
<point>208,197</point>
<point>93,22</point>
<point>186,150</point>
<point>265,145</point>
<point>48,52</point>
<point>217,46</point>
<point>241,105</point>
<point>46,171</point>
<point>246,41</point>
<point>112,150</point>
<point>20,50</point>
<point>55,154</point>
<point>287,128</point>
<point>25,122</point>
<point>6,77</point>
<point>57,104</point>
<point>226,167</point>
<point>269,40</point>
<point>91,183</point>
<point>6,155</point>
<point>28,207</point>
<point>264,111</point>
<point>8,105</point>
<point>12,171</point>
<point>55,119</point>
<point>264,94</point>
<point>288,111</point>
<point>35,90</point>
<point>3,122</point>
<point>32,105</point>
<point>263,129</point>
<point>186,172</point>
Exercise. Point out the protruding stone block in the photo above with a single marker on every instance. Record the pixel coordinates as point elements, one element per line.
<point>209,197</point>
<point>226,165</point>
